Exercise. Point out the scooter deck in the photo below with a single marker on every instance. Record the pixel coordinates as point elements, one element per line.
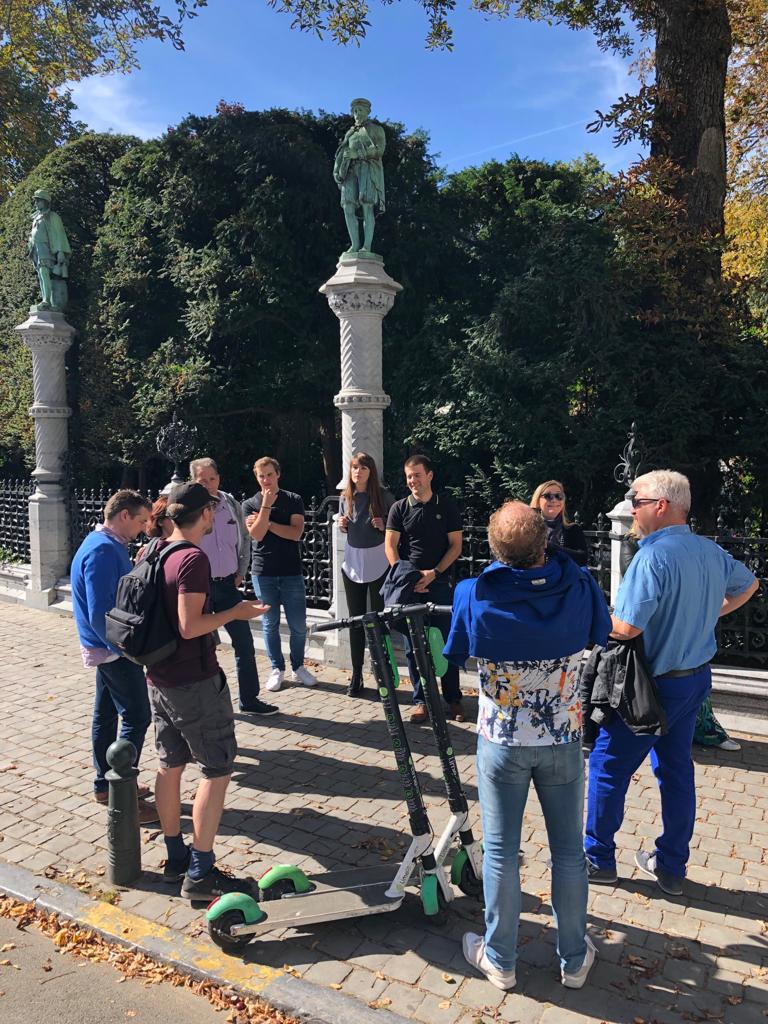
<point>350,892</point>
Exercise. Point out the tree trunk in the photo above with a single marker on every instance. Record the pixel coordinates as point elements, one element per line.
<point>693,42</point>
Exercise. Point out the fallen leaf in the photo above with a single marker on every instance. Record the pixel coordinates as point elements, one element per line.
<point>735,1000</point>
<point>130,1013</point>
<point>48,966</point>
<point>7,947</point>
<point>336,985</point>
<point>445,1005</point>
<point>380,1004</point>
<point>5,963</point>
<point>448,978</point>
<point>381,975</point>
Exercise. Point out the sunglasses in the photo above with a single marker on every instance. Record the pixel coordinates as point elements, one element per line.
<point>637,502</point>
<point>552,496</point>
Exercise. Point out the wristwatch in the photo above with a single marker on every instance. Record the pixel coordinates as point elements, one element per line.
<point>437,572</point>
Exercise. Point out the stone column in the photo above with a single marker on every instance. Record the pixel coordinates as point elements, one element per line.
<point>48,336</point>
<point>361,293</point>
<point>621,521</point>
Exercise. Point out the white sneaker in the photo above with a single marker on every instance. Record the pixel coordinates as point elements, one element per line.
<point>304,676</point>
<point>729,744</point>
<point>473,947</point>
<point>275,680</point>
<point>577,978</point>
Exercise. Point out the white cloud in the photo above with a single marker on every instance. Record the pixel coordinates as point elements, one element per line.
<point>112,103</point>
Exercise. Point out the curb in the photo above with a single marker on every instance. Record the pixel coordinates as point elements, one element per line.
<point>309,1003</point>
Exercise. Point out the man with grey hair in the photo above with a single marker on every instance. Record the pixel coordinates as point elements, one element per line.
<point>676,588</point>
<point>228,548</point>
<point>527,619</point>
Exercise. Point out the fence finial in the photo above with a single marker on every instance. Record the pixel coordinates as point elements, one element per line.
<point>627,468</point>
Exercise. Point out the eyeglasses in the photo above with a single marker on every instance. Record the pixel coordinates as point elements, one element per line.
<point>552,496</point>
<point>637,502</point>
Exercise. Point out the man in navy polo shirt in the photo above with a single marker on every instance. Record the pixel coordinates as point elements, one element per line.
<point>425,529</point>
<point>676,588</point>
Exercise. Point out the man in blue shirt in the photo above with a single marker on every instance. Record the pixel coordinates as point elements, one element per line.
<point>675,589</point>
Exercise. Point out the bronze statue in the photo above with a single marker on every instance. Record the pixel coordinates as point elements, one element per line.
<point>359,173</point>
<point>50,251</point>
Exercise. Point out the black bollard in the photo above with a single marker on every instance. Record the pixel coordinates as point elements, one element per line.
<point>123,836</point>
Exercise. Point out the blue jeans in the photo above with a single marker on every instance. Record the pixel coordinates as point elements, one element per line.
<point>504,775</point>
<point>441,592</point>
<point>225,595</point>
<point>618,753</point>
<point>289,592</point>
<point>121,689</point>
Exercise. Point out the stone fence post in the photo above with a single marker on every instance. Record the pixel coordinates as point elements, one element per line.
<point>48,336</point>
<point>621,521</point>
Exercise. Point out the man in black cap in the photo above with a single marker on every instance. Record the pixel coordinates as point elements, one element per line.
<point>190,700</point>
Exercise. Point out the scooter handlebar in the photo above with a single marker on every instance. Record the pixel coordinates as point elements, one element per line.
<point>390,614</point>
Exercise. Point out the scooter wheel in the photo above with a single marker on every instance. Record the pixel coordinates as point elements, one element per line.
<point>469,883</point>
<point>220,931</point>
<point>433,901</point>
<point>285,887</point>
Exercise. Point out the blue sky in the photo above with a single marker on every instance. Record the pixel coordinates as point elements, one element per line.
<point>508,86</point>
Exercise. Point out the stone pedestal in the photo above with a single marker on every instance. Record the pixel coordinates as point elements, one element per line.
<point>621,521</point>
<point>361,293</point>
<point>336,650</point>
<point>48,336</point>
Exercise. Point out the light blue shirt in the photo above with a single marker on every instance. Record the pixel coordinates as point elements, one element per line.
<point>673,591</point>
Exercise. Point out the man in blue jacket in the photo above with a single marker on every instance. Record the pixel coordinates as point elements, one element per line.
<point>121,688</point>
<point>526,619</point>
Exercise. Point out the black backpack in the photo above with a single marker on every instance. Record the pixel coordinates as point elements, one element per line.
<point>138,625</point>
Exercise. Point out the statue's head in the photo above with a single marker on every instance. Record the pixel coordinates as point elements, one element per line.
<point>42,198</point>
<point>361,109</point>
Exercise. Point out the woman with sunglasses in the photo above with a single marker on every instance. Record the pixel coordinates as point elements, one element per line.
<point>549,499</point>
<point>363,517</point>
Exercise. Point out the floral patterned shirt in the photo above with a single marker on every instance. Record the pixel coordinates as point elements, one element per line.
<point>530,703</point>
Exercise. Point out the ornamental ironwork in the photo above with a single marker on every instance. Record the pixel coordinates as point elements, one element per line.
<point>176,442</point>
<point>626,470</point>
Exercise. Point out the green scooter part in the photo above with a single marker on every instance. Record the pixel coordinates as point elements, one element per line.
<point>247,905</point>
<point>432,899</point>
<point>285,873</point>
<point>436,645</point>
<point>392,660</point>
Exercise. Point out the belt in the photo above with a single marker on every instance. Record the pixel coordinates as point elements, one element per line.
<point>678,673</point>
<point>219,579</point>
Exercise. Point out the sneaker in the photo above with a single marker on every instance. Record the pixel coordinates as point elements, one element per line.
<point>473,947</point>
<point>670,884</point>
<point>729,744</point>
<point>576,979</point>
<point>275,680</point>
<point>419,714</point>
<point>213,885</point>
<point>456,711</point>
<point>174,869</point>
<point>304,676</point>
<point>147,813</point>
<point>259,707</point>
<point>601,876</point>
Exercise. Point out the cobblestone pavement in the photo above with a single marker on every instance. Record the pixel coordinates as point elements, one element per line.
<point>315,786</point>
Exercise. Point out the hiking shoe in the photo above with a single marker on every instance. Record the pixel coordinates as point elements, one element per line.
<point>576,979</point>
<point>672,885</point>
<point>473,947</point>
<point>213,885</point>
<point>304,676</point>
<point>275,680</point>
<point>175,868</point>
<point>419,714</point>
<point>147,813</point>
<point>601,876</point>
<point>259,707</point>
<point>456,711</point>
<point>729,744</point>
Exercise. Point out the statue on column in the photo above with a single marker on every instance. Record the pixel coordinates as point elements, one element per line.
<point>50,252</point>
<point>359,173</point>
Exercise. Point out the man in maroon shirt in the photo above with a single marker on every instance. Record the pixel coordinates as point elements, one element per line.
<point>191,703</point>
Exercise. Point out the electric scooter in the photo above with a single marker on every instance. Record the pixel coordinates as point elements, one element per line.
<point>287,898</point>
<point>427,645</point>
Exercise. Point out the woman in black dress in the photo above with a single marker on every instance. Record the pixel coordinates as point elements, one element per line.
<point>549,499</point>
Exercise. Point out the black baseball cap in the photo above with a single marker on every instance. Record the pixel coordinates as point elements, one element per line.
<point>184,498</point>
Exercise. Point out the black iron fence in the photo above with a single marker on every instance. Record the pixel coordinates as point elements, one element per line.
<point>14,519</point>
<point>742,636</point>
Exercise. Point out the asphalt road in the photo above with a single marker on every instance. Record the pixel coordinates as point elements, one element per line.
<point>76,991</point>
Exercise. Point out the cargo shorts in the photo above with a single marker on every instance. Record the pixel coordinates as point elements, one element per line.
<point>195,722</point>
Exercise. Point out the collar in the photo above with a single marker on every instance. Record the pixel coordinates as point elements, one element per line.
<point>103,528</point>
<point>665,531</point>
<point>412,503</point>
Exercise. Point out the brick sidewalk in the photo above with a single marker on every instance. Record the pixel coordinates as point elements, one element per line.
<point>312,787</point>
